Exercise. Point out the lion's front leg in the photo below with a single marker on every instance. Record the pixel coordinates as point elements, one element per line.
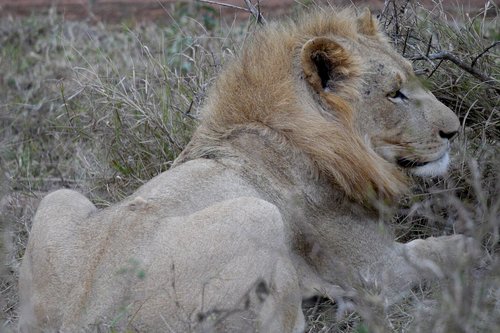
<point>422,259</point>
<point>429,256</point>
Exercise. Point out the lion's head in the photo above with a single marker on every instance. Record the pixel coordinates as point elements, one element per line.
<point>331,85</point>
<point>405,123</point>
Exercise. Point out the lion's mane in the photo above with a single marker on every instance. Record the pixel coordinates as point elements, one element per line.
<point>262,88</point>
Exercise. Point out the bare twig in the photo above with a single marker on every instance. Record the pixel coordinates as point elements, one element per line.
<point>256,11</point>
<point>484,52</point>
<point>435,68</point>
<point>396,16</point>
<point>252,9</point>
<point>405,42</point>
<point>428,47</point>
<point>222,4</point>
<point>445,55</point>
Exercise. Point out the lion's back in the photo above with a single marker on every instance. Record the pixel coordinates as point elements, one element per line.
<point>92,263</point>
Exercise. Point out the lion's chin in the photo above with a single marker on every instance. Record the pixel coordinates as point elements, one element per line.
<point>432,169</point>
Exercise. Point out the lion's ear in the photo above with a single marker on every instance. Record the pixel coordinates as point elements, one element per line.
<point>367,24</point>
<point>326,63</point>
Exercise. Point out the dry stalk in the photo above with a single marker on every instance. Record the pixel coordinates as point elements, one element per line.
<point>228,5</point>
<point>251,8</point>
<point>446,55</point>
<point>496,43</point>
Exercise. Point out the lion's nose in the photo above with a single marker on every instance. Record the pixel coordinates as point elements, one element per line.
<point>448,135</point>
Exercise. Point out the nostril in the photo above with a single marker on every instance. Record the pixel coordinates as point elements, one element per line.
<point>448,135</point>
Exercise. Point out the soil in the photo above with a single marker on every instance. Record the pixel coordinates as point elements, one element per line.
<point>146,10</point>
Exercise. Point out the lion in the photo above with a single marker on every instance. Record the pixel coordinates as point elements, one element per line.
<point>314,126</point>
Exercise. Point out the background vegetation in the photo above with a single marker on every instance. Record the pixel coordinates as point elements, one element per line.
<point>102,109</point>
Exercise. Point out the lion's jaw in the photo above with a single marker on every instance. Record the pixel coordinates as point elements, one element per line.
<point>434,168</point>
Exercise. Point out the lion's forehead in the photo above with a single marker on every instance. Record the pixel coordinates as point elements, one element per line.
<point>383,61</point>
<point>378,61</point>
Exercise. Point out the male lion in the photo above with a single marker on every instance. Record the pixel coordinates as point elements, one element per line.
<point>274,200</point>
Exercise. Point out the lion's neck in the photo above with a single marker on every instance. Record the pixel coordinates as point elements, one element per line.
<point>282,173</point>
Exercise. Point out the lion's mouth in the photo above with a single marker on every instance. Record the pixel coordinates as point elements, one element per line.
<point>406,163</point>
<point>426,169</point>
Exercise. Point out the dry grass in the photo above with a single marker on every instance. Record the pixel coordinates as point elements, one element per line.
<point>104,108</point>
<point>97,108</point>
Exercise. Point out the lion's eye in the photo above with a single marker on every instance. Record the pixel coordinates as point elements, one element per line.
<point>397,94</point>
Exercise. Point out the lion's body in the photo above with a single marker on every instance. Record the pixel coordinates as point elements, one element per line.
<point>271,202</point>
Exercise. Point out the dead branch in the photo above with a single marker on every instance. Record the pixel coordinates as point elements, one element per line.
<point>445,55</point>
<point>256,11</point>
<point>484,52</point>
<point>251,8</point>
<point>405,42</point>
<point>222,4</point>
<point>428,47</point>
<point>435,68</point>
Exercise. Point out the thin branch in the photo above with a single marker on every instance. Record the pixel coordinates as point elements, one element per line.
<point>445,55</point>
<point>428,47</point>
<point>222,4</point>
<point>396,22</point>
<point>484,52</point>
<point>406,42</point>
<point>256,11</point>
<point>435,68</point>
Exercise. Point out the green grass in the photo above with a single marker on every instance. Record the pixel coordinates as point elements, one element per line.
<point>102,109</point>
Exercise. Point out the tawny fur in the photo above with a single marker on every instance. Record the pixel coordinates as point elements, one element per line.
<point>312,127</point>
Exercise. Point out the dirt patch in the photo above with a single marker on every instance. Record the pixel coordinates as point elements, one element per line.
<point>157,10</point>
